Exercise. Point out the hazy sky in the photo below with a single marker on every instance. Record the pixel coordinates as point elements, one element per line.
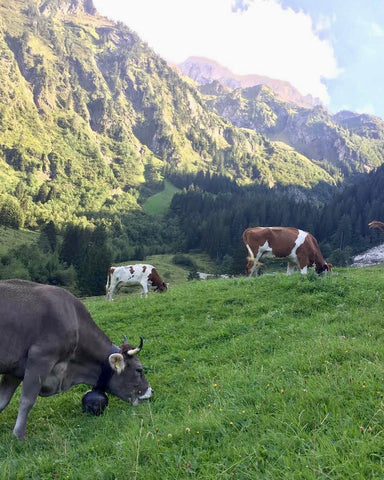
<point>332,49</point>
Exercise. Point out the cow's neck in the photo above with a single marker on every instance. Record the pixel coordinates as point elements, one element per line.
<point>106,372</point>
<point>91,366</point>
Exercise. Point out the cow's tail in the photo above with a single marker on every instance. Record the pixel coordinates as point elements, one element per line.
<point>376,224</point>
<point>251,257</point>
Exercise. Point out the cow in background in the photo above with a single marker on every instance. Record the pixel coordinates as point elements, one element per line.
<point>299,248</point>
<point>376,224</point>
<point>139,274</point>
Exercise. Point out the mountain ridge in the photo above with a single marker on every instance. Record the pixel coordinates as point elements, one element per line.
<point>92,120</point>
<point>205,71</point>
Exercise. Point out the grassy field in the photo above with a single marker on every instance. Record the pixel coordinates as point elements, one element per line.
<point>158,204</point>
<point>11,238</point>
<point>270,378</point>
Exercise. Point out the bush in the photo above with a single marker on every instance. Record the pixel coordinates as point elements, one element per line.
<point>184,261</point>
<point>11,214</point>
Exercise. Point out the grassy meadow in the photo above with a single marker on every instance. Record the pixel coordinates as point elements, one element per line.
<point>270,378</point>
<point>158,204</point>
<point>11,238</point>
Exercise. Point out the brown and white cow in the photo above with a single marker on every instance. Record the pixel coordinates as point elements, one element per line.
<point>376,224</point>
<point>139,274</point>
<point>299,248</point>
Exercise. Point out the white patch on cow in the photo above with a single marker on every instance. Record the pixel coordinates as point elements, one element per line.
<point>293,255</point>
<point>299,240</point>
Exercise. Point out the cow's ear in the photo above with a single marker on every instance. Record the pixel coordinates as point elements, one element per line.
<point>116,361</point>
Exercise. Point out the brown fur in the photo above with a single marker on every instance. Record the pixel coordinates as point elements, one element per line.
<point>376,224</point>
<point>156,281</point>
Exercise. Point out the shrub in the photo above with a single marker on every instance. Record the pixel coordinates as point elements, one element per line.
<point>11,214</point>
<point>184,261</point>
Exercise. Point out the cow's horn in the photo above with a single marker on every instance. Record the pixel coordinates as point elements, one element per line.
<point>135,351</point>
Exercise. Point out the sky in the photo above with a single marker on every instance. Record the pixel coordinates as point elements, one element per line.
<point>331,49</point>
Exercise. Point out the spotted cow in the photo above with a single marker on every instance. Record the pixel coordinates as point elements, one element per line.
<point>139,274</point>
<point>299,248</point>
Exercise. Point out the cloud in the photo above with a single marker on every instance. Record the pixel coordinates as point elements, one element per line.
<point>247,36</point>
<point>376,30</point>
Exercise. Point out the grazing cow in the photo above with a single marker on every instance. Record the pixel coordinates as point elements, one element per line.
<point>49,342</point>
<point>299,248</point>
<point>139,274</point>
<point>376,224</point>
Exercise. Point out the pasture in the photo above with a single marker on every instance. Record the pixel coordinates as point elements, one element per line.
<point>275,377</point>
<point>158,204</point>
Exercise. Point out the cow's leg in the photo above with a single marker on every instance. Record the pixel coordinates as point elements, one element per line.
<point>112,290</point>
<point>145,289</point>
<point>304,270</point>
<point>35,373</point>
<point>256,268</point>
<point>8,385</point>
<point>290,268</point>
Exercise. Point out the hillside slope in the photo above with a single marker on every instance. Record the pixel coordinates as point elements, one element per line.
<point>345,144</point>
<point>89,115</point>
<point>271,378</point>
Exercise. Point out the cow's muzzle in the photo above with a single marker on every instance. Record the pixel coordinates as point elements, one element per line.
<point>145,396</point>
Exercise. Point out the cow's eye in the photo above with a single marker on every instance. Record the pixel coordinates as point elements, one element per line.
<point>139,370</point>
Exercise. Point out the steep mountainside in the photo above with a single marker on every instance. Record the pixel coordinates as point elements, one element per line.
<point>89,115</point>
<point>344,144</point>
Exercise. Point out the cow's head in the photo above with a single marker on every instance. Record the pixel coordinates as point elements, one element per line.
<point>128,382</point>
<point>161,287</point>
<point>326,267</point>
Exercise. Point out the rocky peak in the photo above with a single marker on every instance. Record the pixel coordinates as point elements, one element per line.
<point>72,7</point>
<point>204,70</point>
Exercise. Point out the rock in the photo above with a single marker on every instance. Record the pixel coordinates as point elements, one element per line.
<point>373,256</point>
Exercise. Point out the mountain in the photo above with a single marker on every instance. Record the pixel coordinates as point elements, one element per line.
<point>345,144</point>
<point>92,121</point>
<point>205,71</point>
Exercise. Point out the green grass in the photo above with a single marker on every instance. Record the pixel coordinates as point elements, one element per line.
<point>270,378</point>
<point>11,238</point>
<point>159,203</point>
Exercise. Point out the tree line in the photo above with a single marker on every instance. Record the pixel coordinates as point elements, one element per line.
<point>208,215</point>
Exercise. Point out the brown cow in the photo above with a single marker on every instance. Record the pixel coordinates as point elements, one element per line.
<point>299,248</point>
<point>376,224</point>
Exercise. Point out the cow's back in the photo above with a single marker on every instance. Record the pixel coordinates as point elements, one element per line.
<point>35,316</point>
<point>280,239</point>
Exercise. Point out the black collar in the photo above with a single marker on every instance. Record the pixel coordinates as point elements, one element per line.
<point>106,372</point>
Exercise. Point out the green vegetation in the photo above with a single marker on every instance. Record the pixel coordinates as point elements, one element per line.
<point>271,378</point>
<point>92,122</point>
<point>10,238</point>
<point>158,204</point>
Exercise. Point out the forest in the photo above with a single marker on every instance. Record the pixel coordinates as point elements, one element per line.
<point>208,215</point>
